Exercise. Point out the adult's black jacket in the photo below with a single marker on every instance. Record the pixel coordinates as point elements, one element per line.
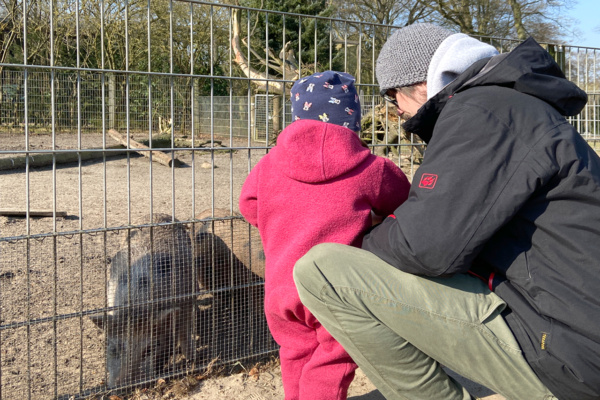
<point>508,185</point>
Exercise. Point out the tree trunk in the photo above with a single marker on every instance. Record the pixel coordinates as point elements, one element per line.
<point>518,19</point>
<point>111,101</point>
<point>277,108</point>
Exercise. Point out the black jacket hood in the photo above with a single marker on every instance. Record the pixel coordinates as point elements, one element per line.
<point>528,69</point>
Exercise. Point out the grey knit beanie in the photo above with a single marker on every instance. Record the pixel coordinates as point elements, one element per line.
<point>405,57</point>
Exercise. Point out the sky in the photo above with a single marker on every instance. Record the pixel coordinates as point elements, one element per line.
<point>586,13</point>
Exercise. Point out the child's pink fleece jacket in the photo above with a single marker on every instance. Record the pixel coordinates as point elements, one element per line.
<point>318,184</point>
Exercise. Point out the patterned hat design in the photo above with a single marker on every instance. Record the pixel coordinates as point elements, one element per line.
<point>328,96</point>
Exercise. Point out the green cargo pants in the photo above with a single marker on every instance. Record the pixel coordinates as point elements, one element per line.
<point>400,328</point>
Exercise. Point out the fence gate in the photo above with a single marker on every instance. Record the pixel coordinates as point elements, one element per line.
<point>264,126</point>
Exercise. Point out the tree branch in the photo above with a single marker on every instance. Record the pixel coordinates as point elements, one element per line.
<point>257,78</point>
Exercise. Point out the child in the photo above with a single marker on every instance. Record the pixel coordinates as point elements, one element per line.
<point>318,184</point>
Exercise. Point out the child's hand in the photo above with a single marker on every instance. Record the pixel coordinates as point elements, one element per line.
<point>375,219</point>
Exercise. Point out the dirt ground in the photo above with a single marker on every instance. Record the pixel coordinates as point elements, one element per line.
<point>58,267</point>
<point>266,385</point>
<point>122,188</point>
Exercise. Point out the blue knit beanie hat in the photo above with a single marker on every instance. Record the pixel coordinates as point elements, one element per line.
<point>328,96</point>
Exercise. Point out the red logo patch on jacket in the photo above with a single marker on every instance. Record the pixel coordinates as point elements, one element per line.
<point>428,181</point>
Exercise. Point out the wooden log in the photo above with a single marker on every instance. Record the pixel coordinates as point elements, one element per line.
<point>46,159</point>
<point>32,213</point>
<point>157,156</point>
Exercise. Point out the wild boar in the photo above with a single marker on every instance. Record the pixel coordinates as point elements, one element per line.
<point>151,299</point>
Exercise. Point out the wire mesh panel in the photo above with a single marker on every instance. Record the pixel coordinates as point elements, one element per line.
<point>581,66</point>
<point>48,346</point>
<point>90,311</point>
<point>233,271</point>
<point>222,115</point>
<point>127,130</point>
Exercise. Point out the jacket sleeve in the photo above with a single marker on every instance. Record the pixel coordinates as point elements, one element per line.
<point>249,197</point>
<point>475,177</point>
<point>393,189</point>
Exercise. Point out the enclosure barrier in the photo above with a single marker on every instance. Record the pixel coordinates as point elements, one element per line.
<point>115,269</point>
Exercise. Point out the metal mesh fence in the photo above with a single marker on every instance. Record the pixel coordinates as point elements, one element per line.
<point>85,311</point>
<point>39,104</point>
<point>134,103</point>
<point>118,265</point>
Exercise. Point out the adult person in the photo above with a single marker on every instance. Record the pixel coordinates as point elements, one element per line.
<point>492,265</point>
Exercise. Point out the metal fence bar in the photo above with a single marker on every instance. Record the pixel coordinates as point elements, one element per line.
<point>54,204</point>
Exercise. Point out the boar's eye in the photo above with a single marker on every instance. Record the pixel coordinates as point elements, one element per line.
<point>113,350</point>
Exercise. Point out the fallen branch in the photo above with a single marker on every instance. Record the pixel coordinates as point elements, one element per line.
<point>188,143</point>
<point>157,156</point>
<point>32,213</point>
<point>46,159</point>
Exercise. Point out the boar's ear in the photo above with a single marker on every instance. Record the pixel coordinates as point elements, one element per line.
<point>204,227</point>
<point>119,259</point>
<point>165,315</point>
<point>99,320</point>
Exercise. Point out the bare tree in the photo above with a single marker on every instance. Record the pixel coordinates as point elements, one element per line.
<point>289,69</point>
<point>385,12</point>
<point>378,15</point>
<point>518,19</point>
<point>9,26</point>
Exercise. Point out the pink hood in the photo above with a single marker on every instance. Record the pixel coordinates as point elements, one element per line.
<point>334,150</point>
<point>318,185</point>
